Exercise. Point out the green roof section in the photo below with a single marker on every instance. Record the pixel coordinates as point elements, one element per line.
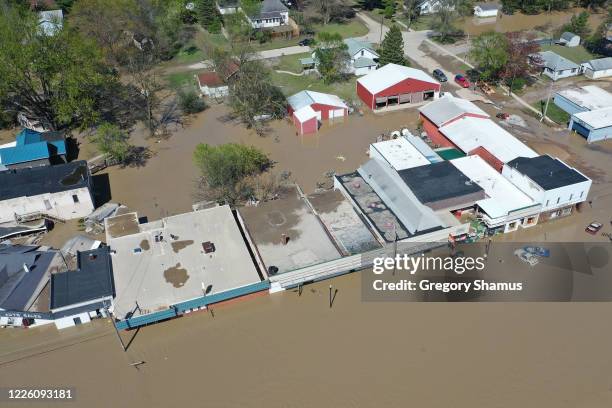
<point>449,153</point>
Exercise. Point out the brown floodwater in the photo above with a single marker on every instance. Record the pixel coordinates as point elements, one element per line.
<point>286,350</point>
<point>545,22</point>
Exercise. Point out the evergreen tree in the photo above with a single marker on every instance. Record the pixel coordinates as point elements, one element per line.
<point>209,16</point>
<point>392,48</point>
<point>579,25</point>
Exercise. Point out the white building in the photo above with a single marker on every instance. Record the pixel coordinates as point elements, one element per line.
<point>59,192</point>
<point>598,68</point>
<point>555,66</point>
<point>211,85</point>
<point>484,10</point>
<point>398,153</point>
<point>272,13</point>
<point>431,6</point>
<point>549,182</point>
<point>228,6</point>
<point>506,206</point>
<point>363,57</point>
<point>569,39</point>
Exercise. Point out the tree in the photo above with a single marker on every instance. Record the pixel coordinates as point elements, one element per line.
<point>389,8</point>
<point>332,57</point>
<point>56,79</point>
<point>190,102</point>
<point>442,21</point>
<point>579,25</point>
<point>392,48</point>
<point>592,4</point>
<point>412,11</point>
<point>113,142</point>
<point>519,50</point>
<point>489,51</point>
<point>209,16</point>
<point>226,169</point>
<point>597,42</point>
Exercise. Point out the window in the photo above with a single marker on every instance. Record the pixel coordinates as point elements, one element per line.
<point>581,194</point>
<point>558,199</point>
<point>362,52</point>
<point>47,205</point>
<point>75,198</point>
<point>547,202</point>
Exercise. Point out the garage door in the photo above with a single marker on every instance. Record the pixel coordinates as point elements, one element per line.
<point>336,113</point>
<point>404,98</point>
<point>580,129</point>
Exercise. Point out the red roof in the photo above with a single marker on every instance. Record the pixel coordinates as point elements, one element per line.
<point>209,78</point>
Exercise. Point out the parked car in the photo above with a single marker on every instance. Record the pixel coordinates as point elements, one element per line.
<point>439,75</point>
<point>462,81</point>
<point>539,251</point>
<point>306,41</point>
<point>593,228</point>
<point>525,256</point>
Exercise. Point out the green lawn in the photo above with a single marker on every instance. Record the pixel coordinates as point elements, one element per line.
<point>422,23</point>
<point>353,28</point>
<point>189,54</point>
<point>290,84</point>
<point>291,62</point>
<point>554,112</point>
<point>181,79</point>
<point>577,54</point>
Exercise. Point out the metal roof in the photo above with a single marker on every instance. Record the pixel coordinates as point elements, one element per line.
<point>24,154</point>
<point>305,113</point>
<point>469,133</point>
<point>33,181</point>
<point>600,64</point>
<point>396,194</point>
<point>589,97</point>
<point>567,36</point>
<point>92,280</point>
<point>596,119</point>
<point>556,62</point>
<point>547,172</point>
<point>399,153</point>
<point>488,6</point>
<point>56,140</point>
<point>307,98</point>
<point>391,74</point>
<point>271,9</point>
<point>448,108</point>
<point>363,62</point>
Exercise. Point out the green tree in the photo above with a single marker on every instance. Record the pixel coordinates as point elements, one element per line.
<point>209,15</point>
<point>518,66</point>
<point>190,102</point>
<point>389,8</point>
<point>225,170</point>
<point>579,25</point>
<point>443,22</point>
<point>55,79</point>
<point>113,142</point>
<point>392,48</point>
<point>490,53</point>
<point>511,6</point>
<point>332,57</point>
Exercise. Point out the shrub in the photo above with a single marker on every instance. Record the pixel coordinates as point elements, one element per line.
<point>190,102</point>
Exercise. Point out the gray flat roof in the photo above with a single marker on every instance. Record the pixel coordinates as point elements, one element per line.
<point>164,262</point>
<point>549,173</point>
<point>33,181</point>
<point>289,215</point>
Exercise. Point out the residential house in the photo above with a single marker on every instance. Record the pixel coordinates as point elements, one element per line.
<point>431,6</point>
<point>555,66</point>
<point>598,68</point>
<point>484,10</point>
<point>32,149</point>
<point>394,85</point>
<point>60,192</point>
<point>215,85</point>
<point>363,57</point>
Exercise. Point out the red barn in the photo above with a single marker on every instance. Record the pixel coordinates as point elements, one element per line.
<point>306,120</point>
<point>394,85</point>
<point>325,106</point>
<point>445,111</point>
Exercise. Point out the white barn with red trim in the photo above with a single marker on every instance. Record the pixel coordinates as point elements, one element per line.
<point>394,85</point>
<point>303,105</point>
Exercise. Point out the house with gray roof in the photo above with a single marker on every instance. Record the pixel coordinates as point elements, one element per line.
<point>598,68</point>
<point>363,57</point>
<point>485,10</point>
<point>272,13</point>
<point>554,65</point>
<point>569,39</point>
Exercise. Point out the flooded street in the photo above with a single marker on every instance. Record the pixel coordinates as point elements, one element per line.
<point>286,350</point>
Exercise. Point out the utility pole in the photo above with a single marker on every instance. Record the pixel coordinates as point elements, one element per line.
<point>116,330</point>
<point>382,19</point>
<point>550,89</point>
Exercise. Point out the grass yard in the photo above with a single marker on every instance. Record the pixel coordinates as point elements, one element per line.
<point>577,54</point>
<point>189,54</point>
<point>291,84</point>
<point>422,23</point>
<point>554,112</point>
<point>180,80</point>
<point>291,62</point>
<point>353,28</point>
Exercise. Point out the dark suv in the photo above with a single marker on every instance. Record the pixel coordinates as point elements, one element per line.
<point>439,75</point>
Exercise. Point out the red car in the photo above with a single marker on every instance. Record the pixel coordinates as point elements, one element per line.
<point>462,81</point>
<point>593,228</point>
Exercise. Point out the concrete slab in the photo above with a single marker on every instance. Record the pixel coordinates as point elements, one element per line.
<point>289,216</point>
<point>164,262</point>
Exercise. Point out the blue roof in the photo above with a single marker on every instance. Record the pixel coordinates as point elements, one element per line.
<point>31,145</point>
<point>22,154</point>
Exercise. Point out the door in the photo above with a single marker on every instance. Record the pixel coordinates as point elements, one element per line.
<point>76,320</point>
<point>336,113</point>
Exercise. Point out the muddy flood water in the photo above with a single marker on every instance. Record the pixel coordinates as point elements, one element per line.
<point>545,22</point>
<point>286,350</point>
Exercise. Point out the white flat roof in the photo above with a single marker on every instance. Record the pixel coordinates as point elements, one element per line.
<point>400,153</point>
<point>503,196</point>
<point>596,119</point>
<point>157,274</point>
<point>590,97</point>
<point>468,133</point>
<point>390,75</point>
<point>305,113</point>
